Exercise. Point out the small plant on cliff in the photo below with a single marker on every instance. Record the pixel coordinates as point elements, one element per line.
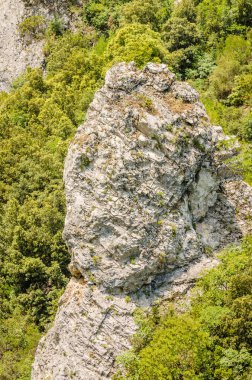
<point>145,102</point>
<point>96,260</point>
<point>84,161</point>
<point>32,27</point>
<point>127,299</point>
<point>56,26</point>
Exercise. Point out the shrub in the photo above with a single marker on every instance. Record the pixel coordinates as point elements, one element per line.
<point>247,127</point>
<point>233,60</point>
<point>179,33</point>
<point>137,43</point>
<point>32,27</point>
<point>56,26</point>
<point>242,90</point>
<point>102,14</point>
<point>153,13</point>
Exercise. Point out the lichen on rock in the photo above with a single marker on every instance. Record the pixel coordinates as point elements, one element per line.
<point>147,199</point>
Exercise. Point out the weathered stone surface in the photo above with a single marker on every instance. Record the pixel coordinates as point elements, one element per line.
<point>90,328</point>
<point>15,53</point>
<point>148,196</point>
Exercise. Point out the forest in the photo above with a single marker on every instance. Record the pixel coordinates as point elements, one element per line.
<point>205,42</point>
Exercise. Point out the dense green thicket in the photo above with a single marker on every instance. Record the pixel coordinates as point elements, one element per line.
<point>206,42</point>
<point>209,340</point>
<point>37,119</point>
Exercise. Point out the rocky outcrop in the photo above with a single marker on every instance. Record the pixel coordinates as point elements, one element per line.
<point>149,197</point>
<point>16,53</point>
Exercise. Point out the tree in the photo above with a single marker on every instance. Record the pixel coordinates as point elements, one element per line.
<point>135,42</point>
<point>149,12</point>
<point>179,33</point>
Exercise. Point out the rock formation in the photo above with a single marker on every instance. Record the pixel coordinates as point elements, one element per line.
<point>16,54</point>
<point>149,197</point>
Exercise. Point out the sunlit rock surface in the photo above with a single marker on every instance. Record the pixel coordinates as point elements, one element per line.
<point>149,197</point>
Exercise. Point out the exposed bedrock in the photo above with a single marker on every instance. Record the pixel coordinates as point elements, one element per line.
<point>17,52</point>
<point>149,196</point>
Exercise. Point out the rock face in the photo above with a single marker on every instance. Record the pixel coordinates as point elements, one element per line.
<point>16,54</point>
<point>148,197</point>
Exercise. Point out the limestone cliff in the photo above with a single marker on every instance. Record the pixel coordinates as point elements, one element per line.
<point>148,198</point>
<point>16,53</point>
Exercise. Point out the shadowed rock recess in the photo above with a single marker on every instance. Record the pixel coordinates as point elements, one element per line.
<point>148,198</point>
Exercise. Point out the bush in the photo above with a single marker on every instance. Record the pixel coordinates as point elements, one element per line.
<point>242,90</point>
<point>233,60</point>
<point>135,42</point>
<point>246,132</point>
<point>187,358</point>
<point>37,119</point>
<point>185,9</point>
<point>56,26</point>
<point>203,66</point>
<point>149,12</point>
<point>242,10</point>
<point>179,33</point>
<point>19,337</point>
<point>182,60</point>
<point>32,27</point>
<point>214,17</point>
<point>102,14</point>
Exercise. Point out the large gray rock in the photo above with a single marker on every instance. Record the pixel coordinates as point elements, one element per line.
<point>148,196</point>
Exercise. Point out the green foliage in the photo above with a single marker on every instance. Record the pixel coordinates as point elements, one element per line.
<point>56,26</point>
<point>179,33</point>
<point>163,359</point>
<point>202,67</point>
<point>233,61</point>
<point>73,68</point>
<point>221,17</point>
<point>148,12</point>
<point>97,14</point>
<point>246,162</point>
<point>241,10</point>
<point>102,14</point>
<point>105,15</point>
<point>182,60</point>
<point>209,340</point>
<point>18,341</point>
<point>38,118</point>
<point>181,38</point>
<point>185,9</point>
<point>213,17</point>
<point>33,26</point>
<point>135,42</point>
<point>227,93</point>
<point>246,131</point>
<point>241,90</point>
